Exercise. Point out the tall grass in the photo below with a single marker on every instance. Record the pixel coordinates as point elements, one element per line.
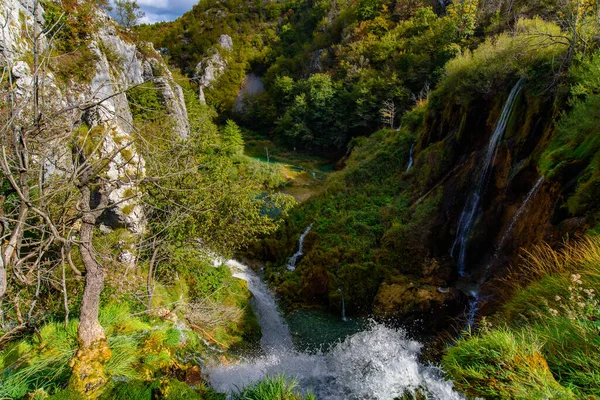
<point>39,362</point>
<point>272,388</point>
<point>545,341</point>
<point>581,255</point>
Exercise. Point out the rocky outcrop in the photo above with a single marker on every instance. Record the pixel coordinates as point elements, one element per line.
<point>132,64</point>
<point>430,305</point>
<point>15,15</point>
<point>212,67</point>
<point>118,65</point>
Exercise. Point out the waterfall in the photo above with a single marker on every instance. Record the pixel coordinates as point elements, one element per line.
<point>343,305</point>
<point>469,213</point>
<point>474,302</point>
<point>276,335</point>
<point>473,308</point>
<point>521,210</point>
<point>379,363</point>
<point>410,162</point>
<point>293,261</point>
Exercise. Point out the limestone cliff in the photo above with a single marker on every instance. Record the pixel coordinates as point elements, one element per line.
<point>212,67</point>
<point>116,64</point>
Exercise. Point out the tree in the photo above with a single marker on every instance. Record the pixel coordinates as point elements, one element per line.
<point>463,14</point>
<point>128,12</point>
<point>368,9</point>
<point>61,165</point>
<point>388,113</point>
<point>231,137</point>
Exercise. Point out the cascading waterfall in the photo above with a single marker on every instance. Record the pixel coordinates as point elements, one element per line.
<point>293,261</point>
<point>410,162</point>
<point>343,305</point>
<point>276,334</point>
<point>469,213</point>
<point>475,297</point>
<point>378,364</point>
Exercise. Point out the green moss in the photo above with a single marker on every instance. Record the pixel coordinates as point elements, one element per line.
<point>176,390</point>
<point>574,154</point>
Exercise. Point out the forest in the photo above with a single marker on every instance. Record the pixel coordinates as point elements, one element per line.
<point>300,199</point>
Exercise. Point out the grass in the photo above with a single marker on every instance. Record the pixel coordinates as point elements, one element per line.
<point>139,348</point>
<point>544,343</point>
<point>272,388</point>
<point>143,347</point>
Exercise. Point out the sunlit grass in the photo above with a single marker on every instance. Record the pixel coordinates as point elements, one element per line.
<point>545,341</point>
<point>272,388</point>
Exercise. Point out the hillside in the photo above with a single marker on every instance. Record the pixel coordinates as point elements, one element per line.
<point>445,160</point>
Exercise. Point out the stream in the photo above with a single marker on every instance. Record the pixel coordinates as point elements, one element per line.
<point>375,363</point>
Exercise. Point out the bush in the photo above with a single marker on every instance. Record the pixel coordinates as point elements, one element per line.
<point>498,58</point>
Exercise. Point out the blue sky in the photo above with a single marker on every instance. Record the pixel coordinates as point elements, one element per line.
<point>164,10</point>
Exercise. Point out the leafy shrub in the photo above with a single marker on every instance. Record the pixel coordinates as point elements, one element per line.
<point>482,70</point>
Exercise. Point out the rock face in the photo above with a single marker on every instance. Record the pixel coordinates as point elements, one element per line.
<point>11,43</point>
<point>430,305</point>
<point>118,65</point>
<point>212,67</point>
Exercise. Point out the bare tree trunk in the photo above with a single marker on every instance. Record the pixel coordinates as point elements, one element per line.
<point>93,354</point>
<point>90,330</point>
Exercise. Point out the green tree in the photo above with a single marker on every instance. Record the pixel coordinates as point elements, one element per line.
<point>231,137</point>
<point>463,14</point>
<point>128,12</point>
<point>368,9</point>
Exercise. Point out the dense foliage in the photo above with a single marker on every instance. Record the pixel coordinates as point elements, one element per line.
<point>403,95</point>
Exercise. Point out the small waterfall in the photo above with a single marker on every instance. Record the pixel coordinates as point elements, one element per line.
<point>293,261</point>
<point>469,213</point>
<point>276,335</point>
<point>475,297</point>
<point>521,210</point>
<point>410,162</point>
<point>379,363</point>
<point>473,308</point>
<point>343,305</point>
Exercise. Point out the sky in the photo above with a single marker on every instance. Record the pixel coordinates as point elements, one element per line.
<point>164,10</point>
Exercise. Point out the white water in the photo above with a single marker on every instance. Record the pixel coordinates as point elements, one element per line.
<point>411,161</point>
<point>276,335</point>
<point>377,364</point>
<point>293,261</point>
<point>470,211</point>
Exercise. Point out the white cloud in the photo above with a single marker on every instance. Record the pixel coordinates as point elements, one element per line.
<point>160,4</point>
<point>164,10</point>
